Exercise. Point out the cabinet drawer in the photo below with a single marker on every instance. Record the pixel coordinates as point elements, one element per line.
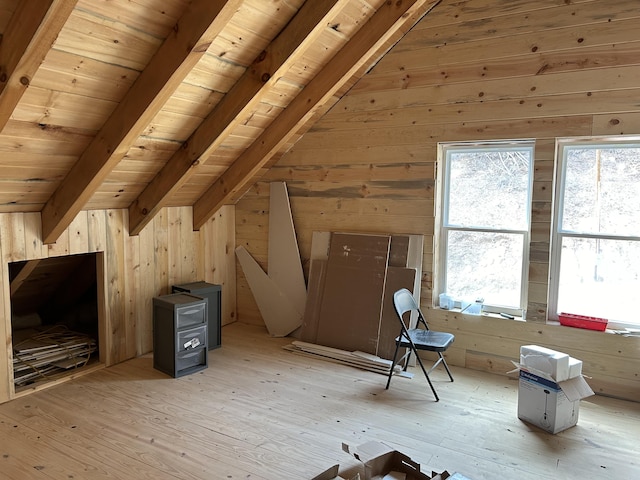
<point>191,358</point>
<point>191,339</point>
<point>191,315</point>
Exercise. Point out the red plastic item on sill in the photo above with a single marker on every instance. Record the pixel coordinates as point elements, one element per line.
<point>582,321</point>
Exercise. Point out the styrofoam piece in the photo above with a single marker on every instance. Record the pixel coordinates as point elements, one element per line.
<point>551,362</point>
<point>575,367</point>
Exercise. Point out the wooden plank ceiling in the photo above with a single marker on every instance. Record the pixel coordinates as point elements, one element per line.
<point>142,104</point>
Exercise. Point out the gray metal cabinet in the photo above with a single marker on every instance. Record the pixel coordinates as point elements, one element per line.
<point>213,293</point>
<point>180,334</point>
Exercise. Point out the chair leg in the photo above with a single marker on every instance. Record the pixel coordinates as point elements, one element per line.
<point>427,377</point>
<point>406,360</point>
<point>393,364</point>
<point>444,362</point>
<point>446,367</point>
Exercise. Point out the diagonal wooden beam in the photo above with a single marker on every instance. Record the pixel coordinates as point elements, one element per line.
<point>290,44</point>
<point>33,28</point>
<point>179,53</point>
<point>23,275</point>
<point>393,18</point>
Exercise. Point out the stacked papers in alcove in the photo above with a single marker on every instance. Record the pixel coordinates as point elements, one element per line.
<point>41,353</point>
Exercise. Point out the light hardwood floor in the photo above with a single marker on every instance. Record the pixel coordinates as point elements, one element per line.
<point>260,412</point>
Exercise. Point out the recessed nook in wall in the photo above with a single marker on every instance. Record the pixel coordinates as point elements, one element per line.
<point>56,307</point>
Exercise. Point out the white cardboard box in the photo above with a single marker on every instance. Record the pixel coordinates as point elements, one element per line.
<point>542,400</point>
<point>543,403</point>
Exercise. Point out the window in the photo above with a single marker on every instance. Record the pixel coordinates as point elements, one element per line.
<point>484,220</point>
<point>595,249</point>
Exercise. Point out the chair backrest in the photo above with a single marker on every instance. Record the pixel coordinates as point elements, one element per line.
<point>403,302</point>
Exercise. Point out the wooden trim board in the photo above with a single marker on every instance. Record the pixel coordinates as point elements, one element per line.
<point>356,359</point>
<point>397,278</point>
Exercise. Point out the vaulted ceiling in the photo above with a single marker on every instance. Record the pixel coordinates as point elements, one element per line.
<point>142,104</point>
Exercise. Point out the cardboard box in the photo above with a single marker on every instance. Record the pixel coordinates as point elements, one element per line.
<point>542,403</point>
<point>543,400</point>
<point>331,473</point>
<point>382,462</point>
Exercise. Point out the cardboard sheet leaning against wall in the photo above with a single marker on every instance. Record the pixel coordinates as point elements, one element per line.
<point>351,306</point>
<point>281,293</point>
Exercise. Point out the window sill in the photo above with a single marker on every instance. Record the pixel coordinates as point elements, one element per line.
<point>614,329</point>
<point>483,314</point>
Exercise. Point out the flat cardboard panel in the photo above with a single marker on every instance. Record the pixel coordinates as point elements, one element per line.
<point>315,288</point>
<point>329,474</point>
<point>320,245</point>
<point>309,330</point>
<point>279,314</point>
<point>284,264</point>
<point>397,278</point>
<point>399,251</point>
<point>351,306</point>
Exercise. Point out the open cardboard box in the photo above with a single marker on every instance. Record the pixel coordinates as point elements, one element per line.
<point>331,473</point>
<point>550,388</point>
<point>381,462</point>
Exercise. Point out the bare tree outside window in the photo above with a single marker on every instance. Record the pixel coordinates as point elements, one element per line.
<point>596,244</point>
<point>485,223</point>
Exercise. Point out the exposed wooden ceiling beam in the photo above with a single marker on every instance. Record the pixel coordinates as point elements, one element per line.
<point>290,44</point>
<point>33,28</point>
<point>175,58</point>
<point>23,275</point>
<point>393,18</point>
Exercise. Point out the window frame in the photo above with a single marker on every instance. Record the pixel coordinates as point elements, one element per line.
<point>442,213</point>
<point>555,248</point>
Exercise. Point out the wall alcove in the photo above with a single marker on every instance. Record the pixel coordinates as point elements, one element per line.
<point>55,312</point>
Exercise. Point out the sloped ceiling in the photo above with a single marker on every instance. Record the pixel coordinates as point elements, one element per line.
<point>142,104</point>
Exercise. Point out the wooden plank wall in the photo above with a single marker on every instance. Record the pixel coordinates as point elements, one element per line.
<point>470,70</point>
<point>133,269</point>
